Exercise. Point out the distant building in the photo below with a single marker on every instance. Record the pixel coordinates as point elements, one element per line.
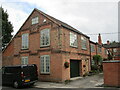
<point>113,49</point>
<point>98,49</point>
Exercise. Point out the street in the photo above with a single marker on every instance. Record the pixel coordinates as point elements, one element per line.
<point>24,88</point>
<point>84,83</point>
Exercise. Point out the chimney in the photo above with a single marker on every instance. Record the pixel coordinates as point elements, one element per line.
<point>108,42</point>
<point>99,39</point>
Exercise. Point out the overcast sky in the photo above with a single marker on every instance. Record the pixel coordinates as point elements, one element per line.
<point>87,16</point>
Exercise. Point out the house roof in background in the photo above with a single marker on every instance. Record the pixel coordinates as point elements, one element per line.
<point>112,45</point>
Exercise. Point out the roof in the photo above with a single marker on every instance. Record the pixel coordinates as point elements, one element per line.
<point>93,42</point>
<point>112,45</point>
<point>61,23</point>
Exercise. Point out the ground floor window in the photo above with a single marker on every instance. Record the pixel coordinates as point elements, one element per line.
<point>45,64</point>
<point>24,60</point>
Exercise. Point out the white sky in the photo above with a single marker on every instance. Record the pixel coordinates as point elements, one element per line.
<point>88,16</point>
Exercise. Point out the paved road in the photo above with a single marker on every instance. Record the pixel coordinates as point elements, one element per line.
<point>86,82</point>
<point>24,88</point>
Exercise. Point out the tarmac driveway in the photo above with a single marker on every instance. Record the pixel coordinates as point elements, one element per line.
<point>85,82</point>
<point>88,82</point>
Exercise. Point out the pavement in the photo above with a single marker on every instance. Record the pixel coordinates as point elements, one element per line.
<point>94,81</point>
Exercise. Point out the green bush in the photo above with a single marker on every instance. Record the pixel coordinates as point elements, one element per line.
<point>97,59</point>
<point>94,67</point>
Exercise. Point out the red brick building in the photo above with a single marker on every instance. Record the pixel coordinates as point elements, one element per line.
<point>98,49</point>
<point>113,49</point>
<point>49,43</point>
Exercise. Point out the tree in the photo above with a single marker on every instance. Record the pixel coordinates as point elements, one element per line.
<point>7,28</point>
<point>97,59</point>
<point>97,63</point>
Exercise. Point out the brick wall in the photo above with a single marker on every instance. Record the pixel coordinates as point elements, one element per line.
<point>59,49</point>
<point>7,56</point>
<point>111,73</point>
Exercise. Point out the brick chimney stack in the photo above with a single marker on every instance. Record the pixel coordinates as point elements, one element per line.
<point>108,42</point>
<point>99,39</point>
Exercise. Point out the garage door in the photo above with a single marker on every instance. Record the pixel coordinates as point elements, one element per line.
<point>74,68</point>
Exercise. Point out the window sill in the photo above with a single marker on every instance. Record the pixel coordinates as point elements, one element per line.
<point>73,46</point>
<point>24,48</point>
<point>44,73</point>
<point>84,49</point>
<point>92,52</point>
<point>34,24</point>
<point>44,46</point>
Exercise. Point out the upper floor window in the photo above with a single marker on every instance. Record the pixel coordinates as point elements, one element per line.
<point>73,39</point>
<point>25,41</point>
<point>24,60</point>
<point>45,64</point>
<point>83,42</point>
<point>45,37</point>
<point>99,50</point>
<point>114,50</point>
<point>34,20</point>
<point>92,48</point>
<point>105,51</point>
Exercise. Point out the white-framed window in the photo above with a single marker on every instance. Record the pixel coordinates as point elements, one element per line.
<point>99,50</point>
<point>84,43</point>
<point>45,37</point>
<point>105,51</point>
<point>73,39</point>
<point>24,60</point>
<point>92,48</point>
<point>45,64</point>
<point>25,41</point>
<point>114,50</point>
<point>34,20</point>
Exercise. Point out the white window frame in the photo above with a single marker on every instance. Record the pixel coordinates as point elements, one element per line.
<point>73,40</point>
<point>44,63</point>
<point>92,48</point>
<point>25,41</point>
<point>35,20</point>
<point>43,34</point>
<point>84,43</point>
<point>24,60</point>
<point>99,49</point>
<point>114,50</point>
<point>105,51</point>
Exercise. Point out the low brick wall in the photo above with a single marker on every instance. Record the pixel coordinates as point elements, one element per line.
<point>111,71</point>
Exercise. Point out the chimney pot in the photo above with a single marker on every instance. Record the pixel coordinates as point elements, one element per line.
<point>108,42</point>
<point>99,39</point>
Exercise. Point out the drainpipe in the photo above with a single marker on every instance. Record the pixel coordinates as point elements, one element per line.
<point>90,55</point>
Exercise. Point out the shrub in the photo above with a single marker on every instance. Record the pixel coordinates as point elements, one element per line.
<point>97,59</point>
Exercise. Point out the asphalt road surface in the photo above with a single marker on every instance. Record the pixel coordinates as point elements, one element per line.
<point>23,88</point>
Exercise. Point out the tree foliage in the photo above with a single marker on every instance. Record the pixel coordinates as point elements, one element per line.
<point>97,59</point>
<point>97,63</point>
<point>7,28</point>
